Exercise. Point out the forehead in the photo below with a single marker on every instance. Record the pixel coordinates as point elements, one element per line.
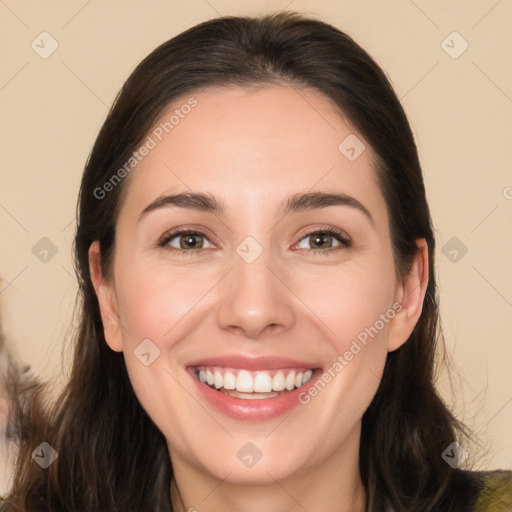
<point>250,146</point>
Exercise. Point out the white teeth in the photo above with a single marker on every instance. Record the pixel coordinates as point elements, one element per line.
<point>229,381</point>
<point>244,382</point>
<point>278,382</point>
<point>307,376</point>
<point>290,381</point>
<point>262,383</point>
<point>218,380</point>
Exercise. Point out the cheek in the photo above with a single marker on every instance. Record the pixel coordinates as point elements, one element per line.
<point>154,304</point>
<point>354,306</point>
<point>350,300</point>
<point>153,300</point>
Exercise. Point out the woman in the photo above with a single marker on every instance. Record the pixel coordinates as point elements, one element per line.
<point>259,317</point>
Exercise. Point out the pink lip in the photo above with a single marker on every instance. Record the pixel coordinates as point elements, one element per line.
<point>252,363</point>
<point>252,410</point>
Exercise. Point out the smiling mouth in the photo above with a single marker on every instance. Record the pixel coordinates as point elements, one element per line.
<point>253,385</point>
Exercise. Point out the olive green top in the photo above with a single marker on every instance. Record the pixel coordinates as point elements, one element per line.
<point>496,495</point>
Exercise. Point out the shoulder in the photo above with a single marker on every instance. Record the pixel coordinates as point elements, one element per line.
<point>478,491</point>
<point>496,492</point>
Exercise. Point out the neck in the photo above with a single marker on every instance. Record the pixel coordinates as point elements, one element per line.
<point>333,485</point>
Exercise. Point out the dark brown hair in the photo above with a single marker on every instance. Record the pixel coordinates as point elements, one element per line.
<point>97,418</point>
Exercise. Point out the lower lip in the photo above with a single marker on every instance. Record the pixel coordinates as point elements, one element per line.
<point>253,410</point>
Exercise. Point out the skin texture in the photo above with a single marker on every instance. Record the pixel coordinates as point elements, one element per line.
<point>252,149</point>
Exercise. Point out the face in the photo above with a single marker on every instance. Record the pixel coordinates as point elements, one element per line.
<point>279,278</point>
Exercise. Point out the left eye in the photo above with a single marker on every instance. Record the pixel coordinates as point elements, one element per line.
<point>187,240</point>
<point>323,240</point>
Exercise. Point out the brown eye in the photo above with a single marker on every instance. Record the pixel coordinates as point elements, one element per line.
<point>185,241</point>
<point>324,240</point>
<point>191,241</point>
<point>321,240</point>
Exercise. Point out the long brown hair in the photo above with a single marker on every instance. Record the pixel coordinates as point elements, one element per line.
<point>111,455</point>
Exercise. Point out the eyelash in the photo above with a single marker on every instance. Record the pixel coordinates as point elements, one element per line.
<point>340,236</point>
<point>344,240</point>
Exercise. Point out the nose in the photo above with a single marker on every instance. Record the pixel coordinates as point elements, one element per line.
<point>255,300</point>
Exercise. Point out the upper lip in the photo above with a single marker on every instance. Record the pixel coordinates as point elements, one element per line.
<point>253,363</point>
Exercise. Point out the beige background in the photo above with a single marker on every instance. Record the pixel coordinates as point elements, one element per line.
<point>460,110</point>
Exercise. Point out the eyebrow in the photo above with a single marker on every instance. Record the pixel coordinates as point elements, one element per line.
<point>296,203</point>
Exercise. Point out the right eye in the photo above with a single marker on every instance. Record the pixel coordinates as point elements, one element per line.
<point>184,241</point>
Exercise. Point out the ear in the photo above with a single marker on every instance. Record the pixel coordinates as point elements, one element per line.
<point>105,291</point>
<point>410,294</point>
